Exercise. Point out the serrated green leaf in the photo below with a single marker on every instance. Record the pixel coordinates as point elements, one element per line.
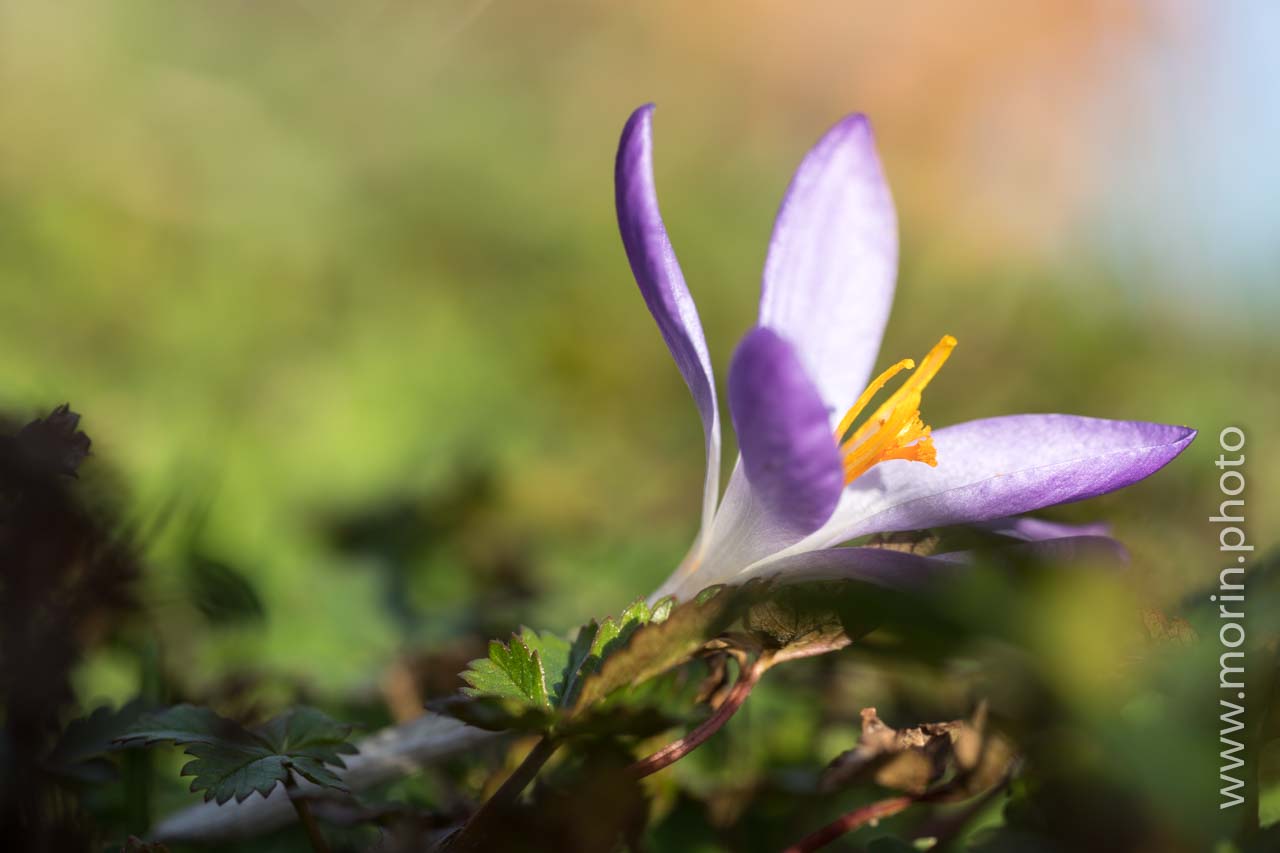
<point>709,593</point>
<point>232,762</point>
<point>308,732</point>
<point>579,654</point>
<point>608,632</point>
<point>638,611</point>
<point>224,773</point>
<point>614,634</point>
<point>539,669</point>
<point>511,671</point>
<point>542,672</point>
<point>662,609</point>
<point>184,724</point>
<point>317,771</point>
<point>555,653</point>
<point>645,650</point>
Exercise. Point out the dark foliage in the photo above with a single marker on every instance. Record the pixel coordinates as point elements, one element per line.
<point>65,578</point>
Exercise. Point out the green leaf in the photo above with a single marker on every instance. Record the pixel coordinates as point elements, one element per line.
<point>231,761</point>
<point>526,683</point>
<point>558,664</point>
<point>184,724</point>
<point>565,681</point>
<point>640,651</point>
<point>317,771</point>
<point>223,593</point>
<point>224,772</point>
<point>511,671</point>
<point>614,634</point>
<point>580,653</point>
<point>308,733</point>
<point>78,752</point>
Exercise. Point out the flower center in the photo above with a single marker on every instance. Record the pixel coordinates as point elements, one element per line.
<point>894,431</point>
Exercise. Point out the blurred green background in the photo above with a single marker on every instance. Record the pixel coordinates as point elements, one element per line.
<point>316,270</point>
<point>292,258</point>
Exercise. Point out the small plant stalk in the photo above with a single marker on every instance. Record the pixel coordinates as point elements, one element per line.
<point>305,816</point>
<point>673,752</point>
<point>471,835</point>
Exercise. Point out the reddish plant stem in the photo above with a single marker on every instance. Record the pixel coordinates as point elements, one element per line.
<point>849,822</point>
<point>673,752</point>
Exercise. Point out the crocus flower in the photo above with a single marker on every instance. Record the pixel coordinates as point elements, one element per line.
<point>820,465</point>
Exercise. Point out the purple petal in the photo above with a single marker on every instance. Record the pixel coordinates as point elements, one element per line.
<point>653,262</point>
<point>1037,529</point>
<point>789,454</point>
<point>1072,549</point>
<point>880,566</point>
<point>1004,466</point>
<point>788,478</point>
<point>832,263</point>
<point>900,570</point>
<point>1066,549</point>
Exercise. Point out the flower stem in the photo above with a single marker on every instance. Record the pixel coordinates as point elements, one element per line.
<point>673,752</point>
<point>305,815</point>
<point>471,836</point>
<point>849,822</point>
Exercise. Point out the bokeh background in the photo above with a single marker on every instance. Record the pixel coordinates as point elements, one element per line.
<point>338,290</point>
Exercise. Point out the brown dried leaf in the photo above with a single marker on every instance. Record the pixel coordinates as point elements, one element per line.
<point>907,760</point>
<point>916,760</point>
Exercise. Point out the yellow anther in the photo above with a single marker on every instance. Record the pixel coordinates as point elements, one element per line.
<point>895,430</point>
<point>862,401</point>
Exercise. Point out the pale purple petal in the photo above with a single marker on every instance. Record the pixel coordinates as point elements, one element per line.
<point>1054,534</point>
<point>656,270</point>
<point>832,262</point>
<point>1074,549</point>
<point>742,532</point>
<point>999,467</point>
<point>1066,549</point>
<point>900,570</point>
<point>880,566</point>
<point>789,454</point>
<point>1036,529</point>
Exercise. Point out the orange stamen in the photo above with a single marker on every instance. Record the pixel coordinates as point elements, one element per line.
<point>895,430</point>
<point>862,401</point>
